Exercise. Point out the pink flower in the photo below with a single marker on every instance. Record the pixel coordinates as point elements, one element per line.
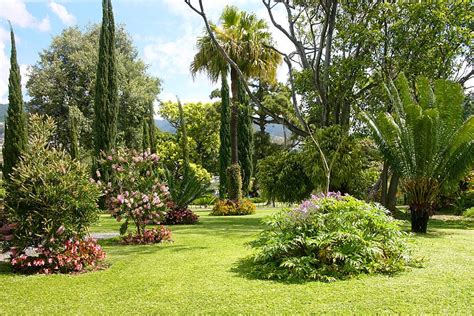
<point>109,158</point>
<point>60,230</point>
<point>97,173</point>
<point>120,199</point>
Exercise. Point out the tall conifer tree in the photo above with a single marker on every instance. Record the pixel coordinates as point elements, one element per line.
<point>106,90</point>
<point>245,139</point>
<point>15,124</point>
<point>151,128</point>
<point>224,149</point>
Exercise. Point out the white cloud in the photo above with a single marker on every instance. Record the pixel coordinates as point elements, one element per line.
<point>61,11</point>
<point>16,12</point>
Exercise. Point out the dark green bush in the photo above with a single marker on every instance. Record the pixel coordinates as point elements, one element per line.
<point>228,207</point>
<point>329,238</point>
<point>50,197</point>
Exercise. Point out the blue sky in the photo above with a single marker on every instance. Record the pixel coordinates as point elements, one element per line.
<point>164,31</point>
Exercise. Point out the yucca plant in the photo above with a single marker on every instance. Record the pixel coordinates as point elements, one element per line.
<point>425,141</point>
<point>185,189</point>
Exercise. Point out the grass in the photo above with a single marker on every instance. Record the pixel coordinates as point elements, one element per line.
<point>198,273</point>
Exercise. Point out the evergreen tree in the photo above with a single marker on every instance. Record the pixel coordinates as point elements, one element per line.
<point>15,124</point>
<point>146,136</point>
<point>224,150</point>
<point>73,133</point>
<point>106,91</point>
<point>183,139</point>
<point>245,139</point>
<point>151,128</point>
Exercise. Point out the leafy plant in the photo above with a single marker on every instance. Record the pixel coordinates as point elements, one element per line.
<point>229,208</point>
<point>425,141</point>
<point>327,238</point>
<point>180,217</point>
<point>50,197</point>
<point>75,255</point>
<point>469,212</point>
<point>185,189</point>
<point>148,236</point>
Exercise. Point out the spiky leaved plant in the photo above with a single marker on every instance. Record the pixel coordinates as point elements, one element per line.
<point>425,141</point>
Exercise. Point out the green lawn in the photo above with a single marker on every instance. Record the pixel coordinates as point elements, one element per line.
<point>198,273</point>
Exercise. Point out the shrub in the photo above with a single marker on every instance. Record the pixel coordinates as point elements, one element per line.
<point>185,188</point>
<point>469,212</point>
<point>228,207</point>
<point>50,198</point>
<point>205,200</point>
<point>180,217</point>
<point>328,238</point>
<point>148,236</point>
<point>135,192</point>
<point>258,199</point>
<point>76,255</point>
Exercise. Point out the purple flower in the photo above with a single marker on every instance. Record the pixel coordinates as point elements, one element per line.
<point>120,199</point>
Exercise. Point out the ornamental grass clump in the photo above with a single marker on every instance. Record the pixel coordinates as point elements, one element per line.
<point>328,238</point>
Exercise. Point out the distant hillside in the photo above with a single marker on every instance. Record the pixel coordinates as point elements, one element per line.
<point>3,112</point>
<point>275,130</point>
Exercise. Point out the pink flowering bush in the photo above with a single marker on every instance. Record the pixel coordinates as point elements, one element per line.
<point>75,255</point>
<point>148,236</point>
<point>135,194</point>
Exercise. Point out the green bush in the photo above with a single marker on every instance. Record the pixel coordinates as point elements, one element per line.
<point>469,212</point>
<point>205,200</point>
<point>50,197</point>
<point>328,238</point>
<point>258,199</point>
<point>228,207</point>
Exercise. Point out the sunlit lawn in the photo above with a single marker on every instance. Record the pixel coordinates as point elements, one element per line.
<point>199,273</point>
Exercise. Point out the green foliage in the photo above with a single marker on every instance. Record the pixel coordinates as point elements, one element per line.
<point>151,128</point>
<point>469,212</point>
<point>50,197</point>
<point>234,183</point>
<point>245,140</point>
<point>282,177</point>
<point>74,115</point>
<point>15,124</point>
<point>202,125</point>
<point>146,136</point>
<point>230,208</point>
<point>65,76</point>
<point>205,200</point>
<point>425,141</point>
<point>356,163</point>
<point>224,137</point>
<point>106,88</point>
<point>329,238</point>
<point>185,189</point>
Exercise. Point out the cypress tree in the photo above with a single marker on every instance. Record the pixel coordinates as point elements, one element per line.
<point>245,139</point>
<point>73,134</point>
<point>224,134</point>
<point>15,124</point>
<point>106,90</point>
<point>183,139</point>
<point>151,128</point>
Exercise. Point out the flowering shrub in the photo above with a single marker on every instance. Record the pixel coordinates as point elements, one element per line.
<point>135,193</point>
<point>228,207</point>
<point>148,236</point>
<point>75,256</point>
<point>327,238</point>
<point>50,197</point>
<point>177,216</point>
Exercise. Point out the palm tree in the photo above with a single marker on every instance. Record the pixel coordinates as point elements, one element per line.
<point>247,41</point>
<point>425,141</point>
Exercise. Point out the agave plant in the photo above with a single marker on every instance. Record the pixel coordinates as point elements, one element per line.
<point>425,141</point>
<point>185,189</point>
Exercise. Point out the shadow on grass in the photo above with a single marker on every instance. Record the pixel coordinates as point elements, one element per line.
<point>5,268</point>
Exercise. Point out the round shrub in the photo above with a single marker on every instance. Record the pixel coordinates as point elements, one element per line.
<point>180,217</point>
<point>228,207</point>
<point>469,212</point>
<point>327,238</point>
<point>50,198</point>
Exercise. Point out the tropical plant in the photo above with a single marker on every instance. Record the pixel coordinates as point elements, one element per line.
<point>425,141</point>
<point>247,41</point>
<point>183,190</point>
<point>328,238</point>
<point>50,197</point>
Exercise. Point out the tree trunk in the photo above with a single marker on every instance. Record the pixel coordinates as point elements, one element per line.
<point>392,193</point>
<point>384,178</point>
<point>234,117</point>
<point>419,218</point>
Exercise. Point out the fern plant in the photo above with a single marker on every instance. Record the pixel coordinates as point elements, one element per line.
<point>425,141</point>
